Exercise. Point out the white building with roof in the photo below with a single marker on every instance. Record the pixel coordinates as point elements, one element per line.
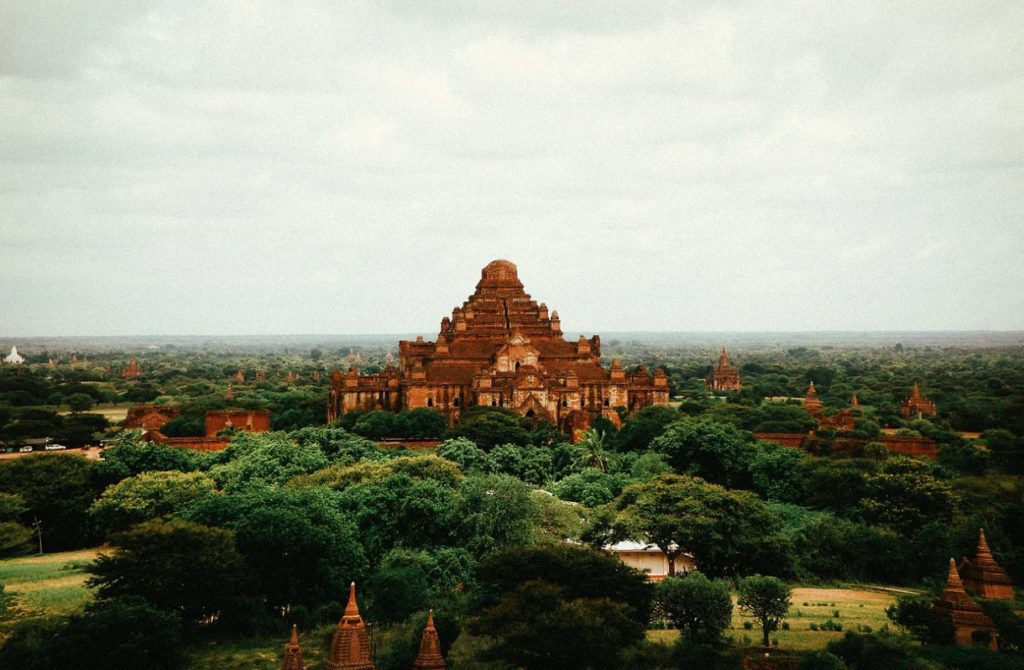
<point>14,357</point>
<point>650,559</point>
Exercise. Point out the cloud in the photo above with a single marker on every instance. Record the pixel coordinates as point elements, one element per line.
<point>252,167</point>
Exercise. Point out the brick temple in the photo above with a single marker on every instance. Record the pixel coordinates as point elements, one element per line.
<point>501,349</point>
<point>725,377</point>
<point>965,614</point>
<point>984,576</point>
<point>917,405</point>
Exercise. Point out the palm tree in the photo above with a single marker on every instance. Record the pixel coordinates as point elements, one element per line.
<point>592,451</point>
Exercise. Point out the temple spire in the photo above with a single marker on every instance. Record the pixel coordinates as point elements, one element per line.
<point>350,646</point>
<point>293,653</point>
<point>429,657</point>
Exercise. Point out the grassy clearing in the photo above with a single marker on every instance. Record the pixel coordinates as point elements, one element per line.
<point>859,609</point>
<point>51,584</point>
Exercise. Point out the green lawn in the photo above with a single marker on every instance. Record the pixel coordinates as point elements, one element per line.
<point>48,584</point>
<point>858,609</point>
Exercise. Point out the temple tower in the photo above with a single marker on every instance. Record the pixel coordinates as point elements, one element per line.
<point>133,371</point>
<point>811,402</point>
<point>430,657</point>
<point>917,405</point>
<point>725,377</point>
<point>967,617</point>
<point>350,647</point>
<point>293,653</point>
<point>984,576</point>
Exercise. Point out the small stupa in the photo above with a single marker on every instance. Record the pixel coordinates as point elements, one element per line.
<point>293,653</point>
<point>14,357</point>
<point>984,576</point>
<point>350,646</point>
<point>966,615</point>
<point>430,657</point>
<point>811,402</point>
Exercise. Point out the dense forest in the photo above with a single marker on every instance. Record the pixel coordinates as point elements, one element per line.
<point>498,527</point>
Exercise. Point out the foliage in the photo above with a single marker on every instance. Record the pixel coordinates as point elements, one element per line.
<point>590,487</point>
<point>917,615</point>
<point>57,490</point>
<point>494,512</point>
<point>148,495</point>
<point>716,452</point>
<point>558,606</point>
<point>178,566</point>
<point>488,427</point>
<point>298,546</point>
<point>700,607</point>
<point>266,457</point>
<point>907,500</point>
<point>465,454</point>
<point>728,532</point>
<point>766,599</point>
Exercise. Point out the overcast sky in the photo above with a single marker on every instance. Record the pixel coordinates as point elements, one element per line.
<point>306,167</point>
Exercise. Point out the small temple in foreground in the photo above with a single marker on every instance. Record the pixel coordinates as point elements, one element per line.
<point>984,576</point>
<point>350,645</point>
<point>967,617</point>
<point>502,349</point>
<point>725,377</point>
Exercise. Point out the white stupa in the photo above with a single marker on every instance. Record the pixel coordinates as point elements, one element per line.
<point>14,356</point>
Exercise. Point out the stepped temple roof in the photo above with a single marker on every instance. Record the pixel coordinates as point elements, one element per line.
<point>429,657</point>
<point>350,646</point>
<point>501,348</point>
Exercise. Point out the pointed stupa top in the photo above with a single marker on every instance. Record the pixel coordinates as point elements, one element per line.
<point>723,359</point>
<point>429,657</point>
<point>811,391</point>
<point>230,393</point>
<point>984,576</point>
<point>293,652</point>
<point>915,393</point>
<point>953,582</point>
<point>14,356</point>
<point>350,646</point>
<point>854,403</point>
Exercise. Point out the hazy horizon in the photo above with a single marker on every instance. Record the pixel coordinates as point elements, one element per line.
<point>178,167</point>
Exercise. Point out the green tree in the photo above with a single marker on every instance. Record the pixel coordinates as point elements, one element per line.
<point>488,427</point>
<point>907,500</point>
<point>377,425</point>
<point>717,452</point>
<point>494,512</point>
<point>268,458</point>
<point>558,606</point>
<point>79,402</point>
<point>299,547</point>
<point>775,472</point>
<point>464,453</point>
<point>766,599</point>
<point>700,607</point>
<point>148,495</point>
<point>57,490</point>
<point>421,424</point>
<point>726,531</point>
<point>178,566</point>
<point>125,633</point>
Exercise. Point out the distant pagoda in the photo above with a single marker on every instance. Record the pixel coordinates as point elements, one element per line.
<point>133,371</point>
<point>725,377</point>
<point>917,405</point>
<point>14,357</point>
<point>430,657</point>
<point>966,615</point>
<point>984,576</point>
<point>350,646</point>
<point>811,402</point>
<point>293,653</point>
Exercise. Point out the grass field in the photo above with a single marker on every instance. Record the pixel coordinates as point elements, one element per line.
<point>859,610</point>
<point>48,584</point>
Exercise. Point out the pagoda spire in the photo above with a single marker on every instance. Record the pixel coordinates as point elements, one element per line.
<point>293,652</point>
<point>350,646</point>
<point>965,614</point>
<point>984,576</point>
<point>429,657</point>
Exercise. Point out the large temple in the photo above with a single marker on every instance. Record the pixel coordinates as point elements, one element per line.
<point>501,349</point>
